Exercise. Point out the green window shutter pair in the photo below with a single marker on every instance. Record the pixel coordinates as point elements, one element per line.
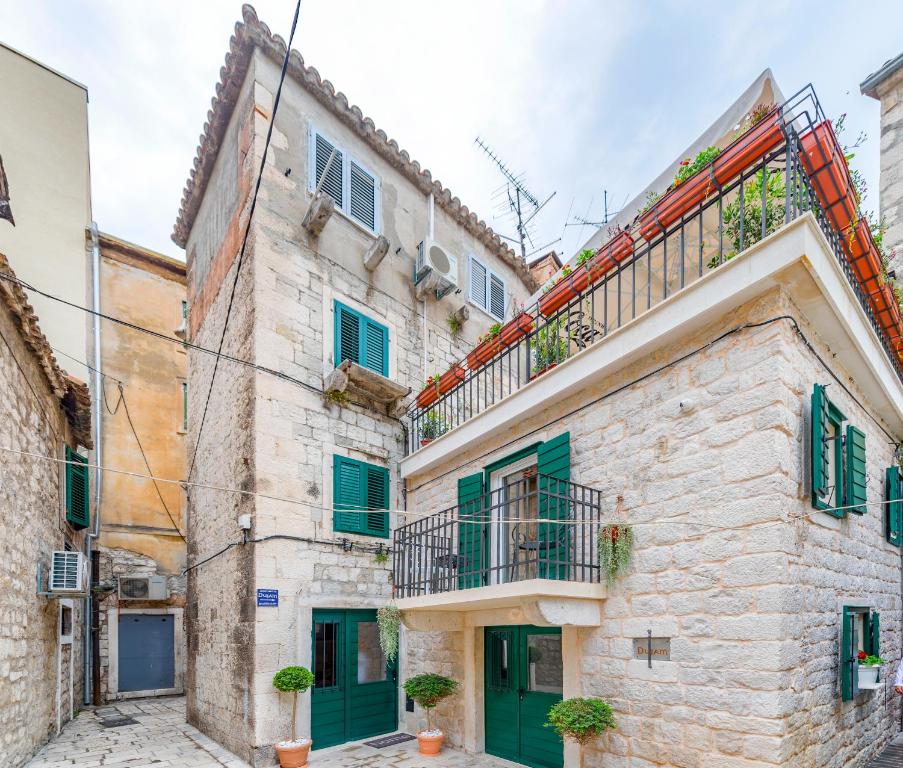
<point>848,486</point>
<point>849,646</point>
<point>893,509</point>
<point>78,505</point>
<point>360,497</point>
<point>361,340</point>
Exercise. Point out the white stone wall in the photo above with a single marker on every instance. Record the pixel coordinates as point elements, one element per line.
<point>750,590</point>
<point>890,93</point>
<point>41,680</point>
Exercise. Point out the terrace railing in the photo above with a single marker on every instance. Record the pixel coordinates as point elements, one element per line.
<point>759,199</point>
<point>536,528</point>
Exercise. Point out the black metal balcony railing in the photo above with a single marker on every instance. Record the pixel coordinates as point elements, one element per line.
<point>537,527</point>
<point>771,192</point>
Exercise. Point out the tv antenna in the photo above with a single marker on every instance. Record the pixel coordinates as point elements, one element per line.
<point>518,201</point>
<point>581,221</point>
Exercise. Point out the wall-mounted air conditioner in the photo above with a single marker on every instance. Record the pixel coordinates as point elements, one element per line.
<point>436,263</point>
<point>68,572</point>
<point>142,588</point>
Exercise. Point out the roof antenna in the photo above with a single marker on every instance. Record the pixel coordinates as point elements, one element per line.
<point>517,200</point>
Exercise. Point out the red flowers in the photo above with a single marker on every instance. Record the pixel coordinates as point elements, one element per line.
<point>862,655</point>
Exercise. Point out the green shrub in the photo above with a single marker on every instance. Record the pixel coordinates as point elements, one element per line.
<point>580,719</point>
<point>428,690</point>
<point>293,680</point>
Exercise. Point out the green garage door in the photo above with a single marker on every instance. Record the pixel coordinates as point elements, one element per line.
<point>355,690</point>
<point>524,674</point>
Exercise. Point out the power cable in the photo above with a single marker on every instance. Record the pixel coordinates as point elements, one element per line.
<point>244,240</point>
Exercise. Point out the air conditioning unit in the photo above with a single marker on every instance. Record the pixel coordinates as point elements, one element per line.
<point>142,588</point>
<point>68,572</point>
<point>435,262</point>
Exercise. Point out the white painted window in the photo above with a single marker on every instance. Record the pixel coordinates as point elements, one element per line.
<point>351,185</point>
<point>487,289</point>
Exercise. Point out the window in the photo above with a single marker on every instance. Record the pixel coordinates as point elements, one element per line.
<point>860,631</point>
<point>184,390</point>
<point>353,188</point>
<point>487,289</point>
<point>360,497</point>
<point>361,340</point>
<point>838,459</point>
<point>78,511</point>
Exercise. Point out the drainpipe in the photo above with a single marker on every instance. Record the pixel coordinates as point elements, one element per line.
<point>89,620</point>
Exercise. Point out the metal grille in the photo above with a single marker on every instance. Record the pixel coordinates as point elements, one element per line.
<point>133,588</point>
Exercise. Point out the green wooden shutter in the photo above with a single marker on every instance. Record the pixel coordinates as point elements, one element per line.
<point>347,335</point>
<point>820,445</point>
<point>893,509</point>
<point>347,476</point>
<point>874,639</point>
<point>360,340</point>
<point>471,530</point>
<point>376,522</point>
<point>375,351</point>
<point>78,505</point>
<point>553,462</point>
<point>849,664</point>
<point>855,474</point>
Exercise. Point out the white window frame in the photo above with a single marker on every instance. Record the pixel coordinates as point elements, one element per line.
<point>490,273</point>
<point>347,159</point>
<point>66,604</point>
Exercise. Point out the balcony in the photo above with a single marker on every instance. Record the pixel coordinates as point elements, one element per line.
<point>530,547</point>
<point>738,204</point>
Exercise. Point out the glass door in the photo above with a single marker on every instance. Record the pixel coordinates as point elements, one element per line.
<point>513,530</point>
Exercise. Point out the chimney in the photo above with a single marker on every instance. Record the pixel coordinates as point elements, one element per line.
<point>544,267</point>
<point>886,85</point>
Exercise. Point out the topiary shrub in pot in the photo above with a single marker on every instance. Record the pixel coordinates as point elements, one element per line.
<point>293,680</point>
<point>581,720</point>
<point>428,690</point>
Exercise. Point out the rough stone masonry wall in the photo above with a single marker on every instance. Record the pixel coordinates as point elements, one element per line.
<point>891,183</point>
<point>31,527</point>
<point>749,592</point>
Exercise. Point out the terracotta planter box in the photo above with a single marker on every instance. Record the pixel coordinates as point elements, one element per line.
<point>428,396</point>
<point>563,291</point>
<point>751,146</point>
<point>887,311</point>
<point>536,375</point>
<point>616,250</point>
<point>450,379</point>
<point>866,265</point>
<point>677,202</point>
<point>823,159</point>
<point>483,353</point>
<point>515,330</point>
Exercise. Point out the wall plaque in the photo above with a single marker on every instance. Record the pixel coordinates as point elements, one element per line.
<point>661,648</point>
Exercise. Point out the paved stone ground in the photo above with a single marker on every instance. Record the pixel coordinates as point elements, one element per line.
<point>891,757</point>
<point>162,739</point>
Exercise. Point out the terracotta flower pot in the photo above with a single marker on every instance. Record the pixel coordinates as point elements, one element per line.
<point>536,375</point>
<point>430,745</point>
<point>483,353</point>
<point>428,396</point>
<point>866,265</point>
<point>425,441</point>
<point>674,204</point>
<point>294,756</point>
<point>886,310</point>
<point>749,147</point>
<point>610,255</point>
<point>450,379</point>
<point>516,329</point>
<point>562,292</point>
<point>823,159</point>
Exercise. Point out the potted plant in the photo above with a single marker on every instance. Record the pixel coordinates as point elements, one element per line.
<point>451,378</point>
<point>760,133</point>
<point>618,248</point>
<point>869,670</point>
<point>549,347</point>
<point>693,183</point>
<point>581,720</point>
<point>488,347</point>
<point>430,392</point>
<point>514,330</point>
<point>431,427</point>
<point>428,690</point>
<point>293,680</point>
<point>561,289</point>
<point>615,548</point>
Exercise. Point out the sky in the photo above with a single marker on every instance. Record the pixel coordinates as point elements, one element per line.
<point>577,96</point>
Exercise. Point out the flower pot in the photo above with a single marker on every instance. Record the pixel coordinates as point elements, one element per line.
<point>563,291</point>
<point>483,353</point>
<point>887,311</point>
<point>749,147</point>
<point>515,330</point>
<point>868,677</point>
<point>866,261</point>
<point>430,742</point>
<point>428,396</point>
<point>674,204</point>
<point>293,754</point>
<point>823,159</point>
<point>450,379</point>
<point>610,255</point>
<point>537,374</point>
<point>425,441</point>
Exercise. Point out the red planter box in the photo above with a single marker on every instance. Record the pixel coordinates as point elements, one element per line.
<point>823,159</point>
<point>515,330</point>
<point>865,259</point>
<point>751,146</point>
<point>428,396</point>
<point>450,379</point>
<point>483,353</point>
<point>610,255</point>
<point>563,291</point>
<point>887,311</point>
<point>677,202</point>
<point>536,375</point>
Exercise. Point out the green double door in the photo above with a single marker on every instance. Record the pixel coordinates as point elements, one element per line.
<point>355,691</point>
<point>524,678</point>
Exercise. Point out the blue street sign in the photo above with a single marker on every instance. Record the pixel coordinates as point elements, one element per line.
<point>267,598</point>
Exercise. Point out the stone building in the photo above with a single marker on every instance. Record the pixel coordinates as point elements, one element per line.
<point>728,390</point>
<point>140,552</point>
<point>44,487</point>
<point>356,263</point>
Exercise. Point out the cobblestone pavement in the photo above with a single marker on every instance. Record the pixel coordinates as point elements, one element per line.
<point>160,738</point>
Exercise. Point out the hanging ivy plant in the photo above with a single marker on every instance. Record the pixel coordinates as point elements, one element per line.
<point>615,548</point>
<point>388,619</point>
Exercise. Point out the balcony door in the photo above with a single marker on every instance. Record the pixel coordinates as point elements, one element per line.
<point>524,674</point>
<point>513,534</point>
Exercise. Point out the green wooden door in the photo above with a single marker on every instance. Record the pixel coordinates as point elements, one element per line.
<point>355,690</point>
<point>523,679</point>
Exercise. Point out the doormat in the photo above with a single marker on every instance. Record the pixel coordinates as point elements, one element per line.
<point>390,740</point>
<point>116,722</point>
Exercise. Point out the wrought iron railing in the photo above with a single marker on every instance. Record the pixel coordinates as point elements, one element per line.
<point>536,527</point>
<point>759,200</point>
